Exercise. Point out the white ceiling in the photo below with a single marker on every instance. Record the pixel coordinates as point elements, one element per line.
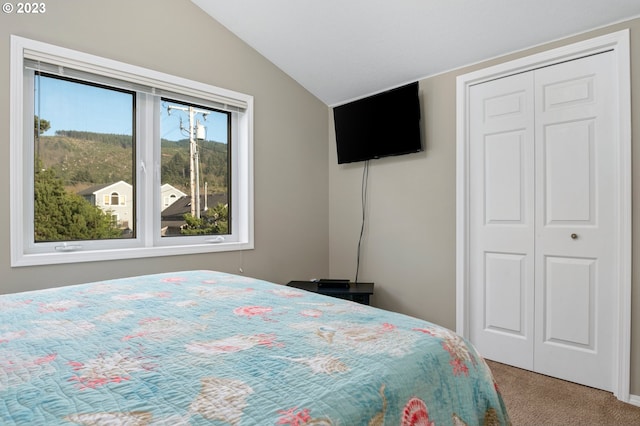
<point>341,50</point>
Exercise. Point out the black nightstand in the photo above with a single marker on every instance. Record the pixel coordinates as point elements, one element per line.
<point>357,292</point>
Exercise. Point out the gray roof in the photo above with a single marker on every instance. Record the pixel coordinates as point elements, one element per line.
<point>183,205</point>
<point>98,187</point>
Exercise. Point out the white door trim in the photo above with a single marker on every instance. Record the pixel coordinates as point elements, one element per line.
<point>618,43</point>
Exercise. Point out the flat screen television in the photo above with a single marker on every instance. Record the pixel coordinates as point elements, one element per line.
<point>380,125</point>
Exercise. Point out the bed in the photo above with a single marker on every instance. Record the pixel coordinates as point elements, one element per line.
<point>205,347</point>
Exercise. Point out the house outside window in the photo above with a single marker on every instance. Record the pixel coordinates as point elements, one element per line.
<point>169,200</point>
<point>116,198</point>
<point>120,144</point>
<point>169,195</point>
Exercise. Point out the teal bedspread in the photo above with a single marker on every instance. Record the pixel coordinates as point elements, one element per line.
<point>203,347</point>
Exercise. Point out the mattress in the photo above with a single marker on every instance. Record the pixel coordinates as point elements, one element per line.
<point>205,347</point>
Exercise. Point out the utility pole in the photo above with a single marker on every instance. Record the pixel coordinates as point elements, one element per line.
<point>196,132</point>
<point>206,195</point>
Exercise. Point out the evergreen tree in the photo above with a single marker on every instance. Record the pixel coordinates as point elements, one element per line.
<point>63,216</point>
<point>40,125</point>
<point>214,221</point>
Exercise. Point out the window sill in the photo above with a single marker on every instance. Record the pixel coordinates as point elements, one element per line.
<point>52,258</point>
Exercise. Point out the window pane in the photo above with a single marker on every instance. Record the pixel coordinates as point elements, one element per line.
<point>84,156</point>
<point>195,170</point>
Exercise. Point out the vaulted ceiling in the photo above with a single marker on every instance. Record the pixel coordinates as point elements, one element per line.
<point>342,50</point>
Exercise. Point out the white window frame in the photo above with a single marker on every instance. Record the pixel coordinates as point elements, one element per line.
<point>148,241</point>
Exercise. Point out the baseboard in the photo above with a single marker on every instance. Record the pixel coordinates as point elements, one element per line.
<point>634,400</point>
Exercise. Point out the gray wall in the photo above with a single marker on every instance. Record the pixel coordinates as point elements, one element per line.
<point>176,37</point>
<point>409,244</point>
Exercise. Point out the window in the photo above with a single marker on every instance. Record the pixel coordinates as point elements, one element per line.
<point>169,200</point>
<point>170,160</point>
<point>195,160</point>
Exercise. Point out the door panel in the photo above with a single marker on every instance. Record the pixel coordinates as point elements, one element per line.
<point>569,307</point>
<point>569,172</point>
<point>566,94</point>
<point>505,282</point>
<point>575,225</point>
<point>502,221</point>
<point>503,178</point>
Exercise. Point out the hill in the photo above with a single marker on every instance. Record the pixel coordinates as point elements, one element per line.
<point>83,159</point>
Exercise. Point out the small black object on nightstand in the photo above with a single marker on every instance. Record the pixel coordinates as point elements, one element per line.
<point>343,289</point>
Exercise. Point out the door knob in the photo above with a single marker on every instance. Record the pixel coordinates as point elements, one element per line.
<point>574,236</point>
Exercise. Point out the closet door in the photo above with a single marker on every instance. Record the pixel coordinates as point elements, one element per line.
<point>575,220</point>
<point>501,239</point>
<point>542,231</point>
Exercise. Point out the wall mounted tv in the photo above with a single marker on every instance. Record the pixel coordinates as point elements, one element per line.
<point>380,125</point>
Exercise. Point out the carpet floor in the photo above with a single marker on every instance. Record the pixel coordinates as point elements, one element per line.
<point>535,399</point>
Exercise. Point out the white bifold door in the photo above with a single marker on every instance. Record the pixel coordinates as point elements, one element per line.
<point>542,231</point>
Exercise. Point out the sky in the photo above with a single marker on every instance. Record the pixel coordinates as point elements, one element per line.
<point>73,106</point>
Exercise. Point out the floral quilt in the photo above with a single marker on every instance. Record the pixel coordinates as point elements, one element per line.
<point>203,347</point>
